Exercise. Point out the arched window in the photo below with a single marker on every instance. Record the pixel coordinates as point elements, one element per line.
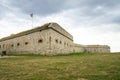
<point>18,44</point>
<point>56,40</point>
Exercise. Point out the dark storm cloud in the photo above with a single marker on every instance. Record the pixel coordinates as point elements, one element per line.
<point>46,7</point>
<point>86,8</point>
<point>103,11</point>
<point>95,11</point>
<point>39,7</point>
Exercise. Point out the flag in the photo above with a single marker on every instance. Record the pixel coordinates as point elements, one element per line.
<point>31,15</point>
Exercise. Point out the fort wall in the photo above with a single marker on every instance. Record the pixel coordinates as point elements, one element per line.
<point>49,39</point>
<point>97,49</point>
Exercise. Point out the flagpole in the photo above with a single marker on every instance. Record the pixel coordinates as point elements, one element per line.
<point>31,15</point>
<point>32,21</point>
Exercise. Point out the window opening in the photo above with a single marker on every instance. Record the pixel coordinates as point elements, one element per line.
<point>18,44</point>
<point>40,41</point>
<point>26,43</point>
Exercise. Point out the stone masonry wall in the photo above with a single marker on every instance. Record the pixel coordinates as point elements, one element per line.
<point>45,42</point>
<point>60,44</point>
<point>30,43</point>
<point>48,41</point>
<point>97,49</point>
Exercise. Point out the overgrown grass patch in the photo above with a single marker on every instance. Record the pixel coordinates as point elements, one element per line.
<point>78,66</point>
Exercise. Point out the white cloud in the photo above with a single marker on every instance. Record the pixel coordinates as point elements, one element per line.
<point>89,23</point>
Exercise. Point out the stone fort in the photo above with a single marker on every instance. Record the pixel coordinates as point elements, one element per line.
<point>48,39</point>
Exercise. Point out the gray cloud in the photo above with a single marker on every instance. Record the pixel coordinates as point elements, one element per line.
<point>1,13</point>
<point>116,19</point>
<point>94,10</point>
<point>98,12</point>
<point>47,7</point>
<point>3,10</point>
<point>39,7</point>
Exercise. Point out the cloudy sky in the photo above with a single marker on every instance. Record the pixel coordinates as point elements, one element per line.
<point>89,21</point>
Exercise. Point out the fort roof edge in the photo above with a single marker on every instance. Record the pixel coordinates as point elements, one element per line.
<point>43,27</point>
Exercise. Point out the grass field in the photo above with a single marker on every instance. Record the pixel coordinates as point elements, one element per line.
<point>78,66</point>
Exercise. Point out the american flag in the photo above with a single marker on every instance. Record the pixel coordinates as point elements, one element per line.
<point>31,15</point>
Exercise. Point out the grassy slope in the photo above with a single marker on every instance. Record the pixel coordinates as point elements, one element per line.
<point>71,67</point>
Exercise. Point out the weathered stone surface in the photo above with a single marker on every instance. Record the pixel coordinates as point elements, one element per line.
<point>49,39</point>
<point>97,48</point>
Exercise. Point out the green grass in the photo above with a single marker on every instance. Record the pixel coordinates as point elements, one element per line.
<point>79,66</point>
